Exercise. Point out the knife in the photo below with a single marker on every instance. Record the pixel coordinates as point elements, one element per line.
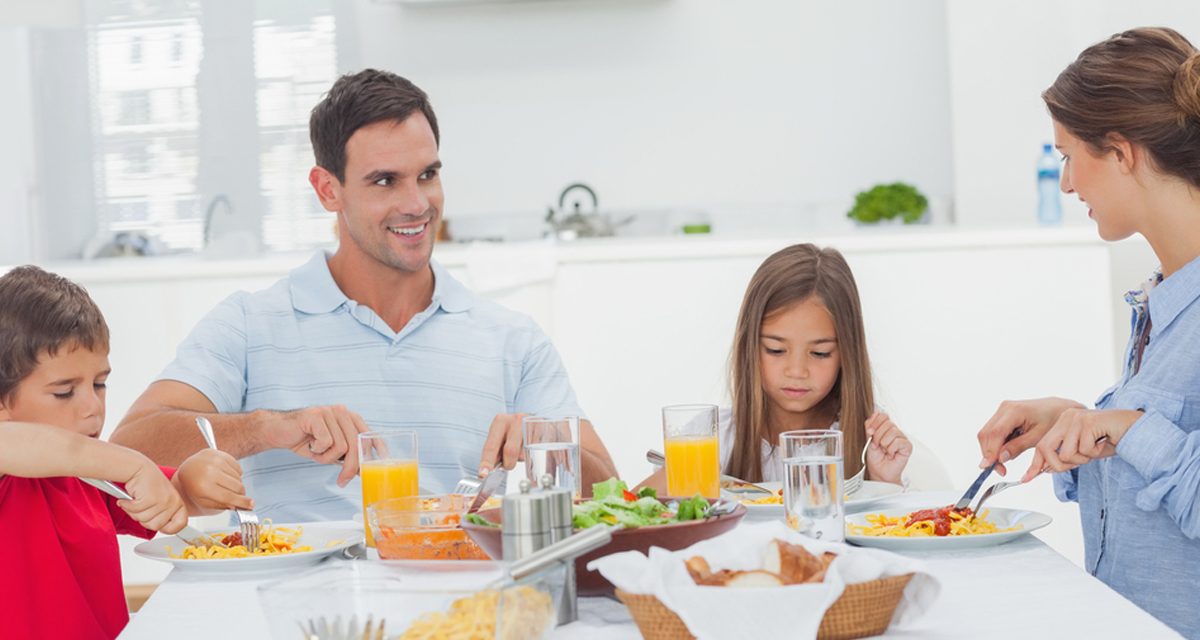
<point>188,533</point>
<point>491,483</point>
<point>965,500</point>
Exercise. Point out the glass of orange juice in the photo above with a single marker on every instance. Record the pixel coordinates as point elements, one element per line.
<point>387,465</point>
<point>690,444</point>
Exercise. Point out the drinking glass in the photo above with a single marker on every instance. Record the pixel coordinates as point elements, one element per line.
<point>552,448</point>
<point>812,476</point>
<point>690,447</point>
<point>387,465</point>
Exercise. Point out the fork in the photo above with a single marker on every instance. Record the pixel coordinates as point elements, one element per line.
<point>247,520</point>
<point>855,482</point>
<point>468,485</point>
<point>994,489</point>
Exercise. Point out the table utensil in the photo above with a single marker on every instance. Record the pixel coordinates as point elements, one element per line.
<point>692,450</point>
<point>493,482</point>
<point>247,520</point>
<point>323,629</point>
<point>992,490</point>
<point>468,486</point>
<point>729,484</point>
<point>188,534</point>
<point>855,482</point>
<point>967,497</point>
<point>812,482</point>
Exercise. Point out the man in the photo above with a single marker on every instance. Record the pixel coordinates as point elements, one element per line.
<point>374,336</point>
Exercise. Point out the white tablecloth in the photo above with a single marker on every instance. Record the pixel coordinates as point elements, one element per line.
<point>1020,589</point>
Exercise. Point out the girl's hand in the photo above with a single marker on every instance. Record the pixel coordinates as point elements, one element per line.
<point>156,504</point>
<point>211,481</point>
<point>889,450</point>
<point>1078,437</point>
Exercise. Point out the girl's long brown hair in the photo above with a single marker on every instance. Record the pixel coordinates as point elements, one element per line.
<point>1143,84</point>
<point>787,277</point>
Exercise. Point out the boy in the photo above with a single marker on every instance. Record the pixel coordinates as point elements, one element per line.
<point>58,549</point>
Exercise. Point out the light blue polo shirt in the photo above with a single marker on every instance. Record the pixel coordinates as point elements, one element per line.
<point>303,343</point>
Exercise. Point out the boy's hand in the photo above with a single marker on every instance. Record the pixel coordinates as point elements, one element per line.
<point>156,504</point>
<point>211,481</point>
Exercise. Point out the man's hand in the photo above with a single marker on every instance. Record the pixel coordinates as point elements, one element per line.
<point>1031,418</point>
<point>889,450</point>
<point>503,446</point>
<point>156,504</point>
<point>328,435</point>
<point>1078,437</point>
<point>211,481</point>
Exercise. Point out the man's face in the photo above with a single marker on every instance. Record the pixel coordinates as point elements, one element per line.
<point>65,390</point>
<point>390,204</point>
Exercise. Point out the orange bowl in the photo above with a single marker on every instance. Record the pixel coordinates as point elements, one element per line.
<point>671,537</point>
<point>422,528</point>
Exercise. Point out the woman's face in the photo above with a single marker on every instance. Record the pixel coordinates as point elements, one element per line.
<point>1101,183</point>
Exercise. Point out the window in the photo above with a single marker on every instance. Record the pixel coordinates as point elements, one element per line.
<point>149,138</point>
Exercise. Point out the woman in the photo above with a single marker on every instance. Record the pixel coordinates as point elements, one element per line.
<point>1127,120</point>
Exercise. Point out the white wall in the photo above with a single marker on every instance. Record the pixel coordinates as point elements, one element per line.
<point>16,160</point>
<point>661,103</point>
<point>1002,56</point>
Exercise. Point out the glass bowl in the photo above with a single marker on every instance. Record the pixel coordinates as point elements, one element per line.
<point>423,528</point>
<point>436,597</point>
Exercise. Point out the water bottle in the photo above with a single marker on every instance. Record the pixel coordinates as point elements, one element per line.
<point>1049,205</point>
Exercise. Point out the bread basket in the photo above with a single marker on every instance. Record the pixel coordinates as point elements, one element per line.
<point>863,609</point>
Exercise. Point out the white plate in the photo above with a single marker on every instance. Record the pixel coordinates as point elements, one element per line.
<point>1029,521</point>
<point>325,538</point>
<point>870,493</point>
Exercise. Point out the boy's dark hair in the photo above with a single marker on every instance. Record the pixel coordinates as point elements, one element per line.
<point>40,313</point>
<point>355,101</point>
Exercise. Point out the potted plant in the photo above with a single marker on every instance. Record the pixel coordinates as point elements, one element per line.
<point>889,202</point>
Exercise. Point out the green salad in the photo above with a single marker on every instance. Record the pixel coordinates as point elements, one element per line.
<point>612,503</point>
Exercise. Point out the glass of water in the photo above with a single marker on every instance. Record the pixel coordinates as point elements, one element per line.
<point>552,448</point>
<point>812,478</point>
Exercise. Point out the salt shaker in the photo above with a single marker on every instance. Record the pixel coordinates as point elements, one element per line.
<point>534,520</point>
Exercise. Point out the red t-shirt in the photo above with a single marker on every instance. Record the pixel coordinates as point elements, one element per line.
<point>60,567</point>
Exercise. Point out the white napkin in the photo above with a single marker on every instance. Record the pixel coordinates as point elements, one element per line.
<point>786,612</point>
<point>495,267</point>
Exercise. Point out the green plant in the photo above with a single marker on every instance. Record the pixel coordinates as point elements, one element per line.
<point>887,201</point>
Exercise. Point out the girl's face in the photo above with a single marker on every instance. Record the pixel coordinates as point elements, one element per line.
<point>799,361</point>
<point>1099,182</point>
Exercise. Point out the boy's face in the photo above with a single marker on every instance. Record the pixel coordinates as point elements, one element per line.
<point>65,390</point>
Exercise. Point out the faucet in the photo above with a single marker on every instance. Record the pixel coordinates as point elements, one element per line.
<point>208,214</point>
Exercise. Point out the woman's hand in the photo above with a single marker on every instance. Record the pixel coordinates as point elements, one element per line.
<point>156,504</point>
<point>211,481</point>
<point>1032,419</point>
<point>1078,437</point>
<point>889,450</point>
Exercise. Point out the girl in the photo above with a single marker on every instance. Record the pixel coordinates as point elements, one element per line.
<point>800,361</point>
<point>1126,118</point>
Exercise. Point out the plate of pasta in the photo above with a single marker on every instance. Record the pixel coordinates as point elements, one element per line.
<point>279,546</point>
<point>771,507</point>
<point>941,528</point>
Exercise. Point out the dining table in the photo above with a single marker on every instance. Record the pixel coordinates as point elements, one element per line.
<point>1022,588</point>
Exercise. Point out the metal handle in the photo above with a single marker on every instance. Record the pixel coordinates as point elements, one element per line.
<point>109,488</point>
<point>654,457</point>
<point>206,430</point>
<point>564,549</point>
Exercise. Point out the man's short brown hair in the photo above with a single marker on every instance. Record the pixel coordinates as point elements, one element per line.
<point>355,101</point>
<point>40,313</point>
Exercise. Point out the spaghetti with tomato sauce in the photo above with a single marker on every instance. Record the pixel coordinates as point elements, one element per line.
<point>936,522</point>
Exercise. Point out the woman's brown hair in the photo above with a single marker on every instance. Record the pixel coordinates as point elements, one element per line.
<point>785,278</point>
<point>1143,84</point>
